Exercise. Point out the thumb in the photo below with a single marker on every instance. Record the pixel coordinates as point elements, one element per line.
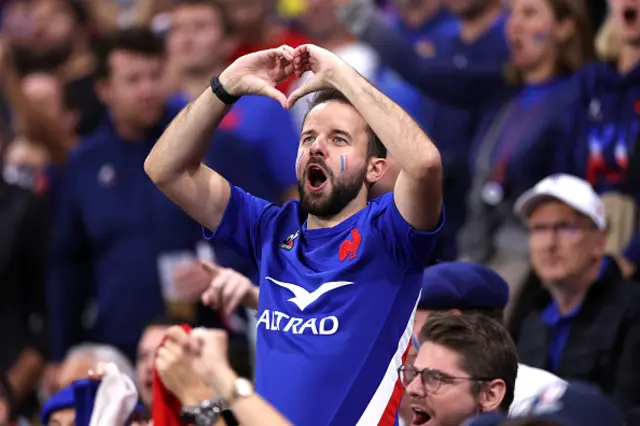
<point>274,93</point>
<point>312,85</point>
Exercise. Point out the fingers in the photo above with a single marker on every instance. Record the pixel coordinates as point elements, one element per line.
<point>274,93</point>
<point>210,267</point>
<point>287,52</point>
<point>176,335</point>
<point>233,293</point>
<point>227,290</point>
<point>312,85</point>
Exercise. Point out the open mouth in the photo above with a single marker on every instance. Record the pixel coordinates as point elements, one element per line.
<point>420,417</point>
<point>316,177</point>
<point>630,15</point>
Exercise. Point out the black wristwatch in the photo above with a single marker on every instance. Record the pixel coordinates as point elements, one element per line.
<point>206,413</point>
<point>221,93</point>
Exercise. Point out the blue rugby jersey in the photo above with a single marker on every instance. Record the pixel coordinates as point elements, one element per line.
<point>336,306</point>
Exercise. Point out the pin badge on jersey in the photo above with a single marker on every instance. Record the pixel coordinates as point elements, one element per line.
<point>288,243</point>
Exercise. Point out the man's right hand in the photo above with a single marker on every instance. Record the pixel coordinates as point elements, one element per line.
<point>228,290</point>
<point>258,73</point>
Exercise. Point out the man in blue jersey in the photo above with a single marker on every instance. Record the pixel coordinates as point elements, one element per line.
<point>339,277</point>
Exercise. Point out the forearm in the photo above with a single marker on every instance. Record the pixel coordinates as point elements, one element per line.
<point>410,146</point>
<point>251,410</point>
<point>184,143</point>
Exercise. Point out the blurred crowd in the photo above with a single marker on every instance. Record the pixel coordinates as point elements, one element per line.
<point>96,264</point>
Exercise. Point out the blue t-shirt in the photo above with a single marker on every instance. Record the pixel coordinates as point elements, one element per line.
<point>336,306</point>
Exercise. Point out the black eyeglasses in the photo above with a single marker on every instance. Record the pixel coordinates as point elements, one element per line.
<point>431,379</point>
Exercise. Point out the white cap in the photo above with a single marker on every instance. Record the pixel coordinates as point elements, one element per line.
<point>574,192</point>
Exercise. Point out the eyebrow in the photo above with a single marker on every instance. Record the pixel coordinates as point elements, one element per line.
<point>333,132</point>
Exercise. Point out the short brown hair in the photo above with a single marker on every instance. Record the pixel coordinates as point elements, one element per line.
<point>375,147</point>
<point>484,346</point>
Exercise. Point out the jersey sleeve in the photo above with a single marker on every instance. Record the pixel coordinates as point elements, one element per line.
<point>244,224</point>
<point>407,246</point>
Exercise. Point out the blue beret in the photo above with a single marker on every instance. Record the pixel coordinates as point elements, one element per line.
<point>60,401</point>
<point>462,285</point>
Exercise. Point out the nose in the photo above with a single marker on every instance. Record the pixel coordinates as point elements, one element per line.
<point>318,147</point>
<point>415,388</point>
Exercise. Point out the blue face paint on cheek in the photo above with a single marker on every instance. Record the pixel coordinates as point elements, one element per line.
<point>342,164</point>
<point>299,160</point>
<point>540,37</point>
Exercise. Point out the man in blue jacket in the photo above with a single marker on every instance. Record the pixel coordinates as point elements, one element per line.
<point>118,240</point>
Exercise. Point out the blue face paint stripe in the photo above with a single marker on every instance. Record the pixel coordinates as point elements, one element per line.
<point>342,163</point>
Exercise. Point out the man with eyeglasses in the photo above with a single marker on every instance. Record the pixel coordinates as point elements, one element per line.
<point>585,324</point>
<point>468,288</point>
<point>466,365</point>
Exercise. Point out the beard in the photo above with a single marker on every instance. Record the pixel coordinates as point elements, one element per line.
<point>342,193</point>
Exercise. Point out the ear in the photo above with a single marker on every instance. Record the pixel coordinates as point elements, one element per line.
<point>492,395</point>
<point>103,89</point>
<point>564,30</point>
<point>376,168</point>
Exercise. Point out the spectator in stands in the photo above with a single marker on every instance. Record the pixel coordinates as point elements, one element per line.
<point>118,238</point>
<point>58,35</point>
<point>602,133</point>
<point>586,325</point>
<point>199,45</point>
<point>480,39</point>
<point>470,288</point>
<point>84,357</point>
<point>423,23</point>
<point>24,249</point>
<point>466,365</point>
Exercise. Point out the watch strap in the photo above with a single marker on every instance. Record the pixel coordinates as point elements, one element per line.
<point>221,93</point>
<point>206,413</point>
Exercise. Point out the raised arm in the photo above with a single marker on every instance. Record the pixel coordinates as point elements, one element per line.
<point>441,77</point>
<point>175,163</point>
<point>418,190</point>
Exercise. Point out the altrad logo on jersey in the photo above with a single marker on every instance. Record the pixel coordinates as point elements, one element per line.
<point>302,298</point>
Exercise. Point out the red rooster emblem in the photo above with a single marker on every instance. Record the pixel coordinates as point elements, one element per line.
<point>349,248</point>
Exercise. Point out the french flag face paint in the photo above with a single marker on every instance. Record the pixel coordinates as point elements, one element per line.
<point>299,161</point>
